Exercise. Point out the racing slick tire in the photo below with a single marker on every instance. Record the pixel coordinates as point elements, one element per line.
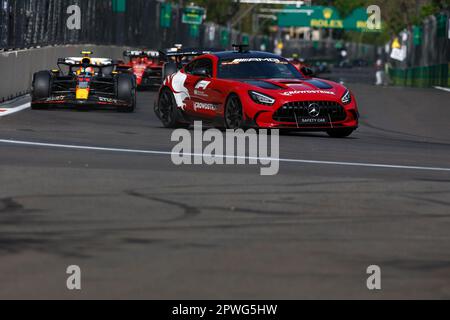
<point>169,69</point>
<point>168,111</point>
<point>234,115</point>
<point>42,87</point>
<point>340,133</point>
<point>126,91</point>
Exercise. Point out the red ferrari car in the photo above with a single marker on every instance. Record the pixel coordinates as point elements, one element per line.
<point>146,66</point>
<point>246,89</point>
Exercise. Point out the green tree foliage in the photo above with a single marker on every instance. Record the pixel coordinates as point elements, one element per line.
<point>219,11</point>
<point>396,14</point>
<point>346,7</point>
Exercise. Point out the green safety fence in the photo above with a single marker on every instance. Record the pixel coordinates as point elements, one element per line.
<point>438,75</point>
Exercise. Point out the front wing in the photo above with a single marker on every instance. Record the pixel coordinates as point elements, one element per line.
<point>70,100</point>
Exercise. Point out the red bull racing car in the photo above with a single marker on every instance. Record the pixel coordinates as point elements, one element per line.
<point>146,66</point>
<point>246,89</point>
<point>83,82</point>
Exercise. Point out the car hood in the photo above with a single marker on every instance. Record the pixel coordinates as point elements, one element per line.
<point>303,89</point>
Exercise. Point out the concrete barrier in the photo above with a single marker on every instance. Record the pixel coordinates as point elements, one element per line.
<point>17,67</point>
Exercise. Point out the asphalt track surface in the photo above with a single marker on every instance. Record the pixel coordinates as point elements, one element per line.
<point>141,227</point>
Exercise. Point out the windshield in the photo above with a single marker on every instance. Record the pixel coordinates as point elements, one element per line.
<point>257,68</point>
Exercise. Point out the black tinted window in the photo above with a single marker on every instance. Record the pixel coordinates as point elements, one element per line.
<point>203,64</point>
<point>257,68</point>
<point>190,67</point>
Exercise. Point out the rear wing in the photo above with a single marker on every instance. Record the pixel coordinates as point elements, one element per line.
<point>141,53</point>
<point>177,55</point>
<point>104,65</point>
<point>186,52</point>
<point>97,62</point>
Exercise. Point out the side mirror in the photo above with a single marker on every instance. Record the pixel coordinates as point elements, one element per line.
<point>201,72</point>
<point>308,72</point>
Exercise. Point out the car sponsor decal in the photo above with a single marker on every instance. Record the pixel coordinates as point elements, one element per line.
<point>246,60</point>
<point>56,98</point>
<point>202,85</point>
<point>205,106</point>
<point>200,93</point>
<point>296,92</point>
<point>179,90</point>
<point>108,100</point>
<point>94,61</point>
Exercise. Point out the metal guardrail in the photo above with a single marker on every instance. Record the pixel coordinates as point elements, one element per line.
<point>42,25</point>
<point>33,23</point>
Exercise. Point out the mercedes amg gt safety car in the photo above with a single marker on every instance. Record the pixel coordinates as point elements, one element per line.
<point>82,82</point>
<point>145,65</point>
<point>246,89</point>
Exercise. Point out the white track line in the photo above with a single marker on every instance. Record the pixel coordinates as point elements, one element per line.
<point>442,88</point>
<point>7,111</point>
<point>165,153</point>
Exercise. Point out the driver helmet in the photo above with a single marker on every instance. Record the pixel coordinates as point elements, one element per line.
<point>86,65</point>
<point>86,62</point>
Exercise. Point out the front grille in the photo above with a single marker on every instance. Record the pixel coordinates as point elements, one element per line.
<point>297,111</point>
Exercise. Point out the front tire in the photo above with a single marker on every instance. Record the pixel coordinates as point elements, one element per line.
<point>168,111</point>
<point>234,114</point>
<point>42,87</point>
<point>340,133</point>
<point>126,91</point>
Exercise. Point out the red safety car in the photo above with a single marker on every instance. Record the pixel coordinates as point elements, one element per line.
<point>145,65</point>
<point>243,89</point>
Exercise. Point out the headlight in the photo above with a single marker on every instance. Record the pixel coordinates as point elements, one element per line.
<point>261,98</point>
<point>347,98</point>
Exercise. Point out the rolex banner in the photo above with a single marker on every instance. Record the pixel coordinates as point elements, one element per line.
<point>323,17</point>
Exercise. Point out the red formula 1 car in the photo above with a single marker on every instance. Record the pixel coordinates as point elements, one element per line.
<point>245,89</point>
<point>297,62</point>
<point>145,65</point>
